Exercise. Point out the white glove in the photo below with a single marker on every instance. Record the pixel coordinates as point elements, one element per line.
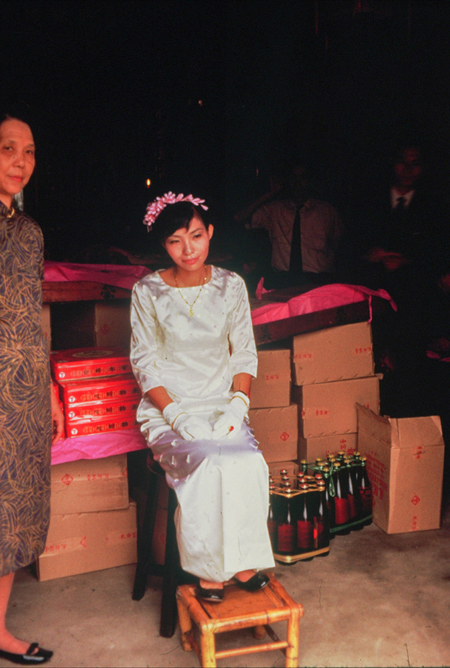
<point>187,426</point>
<point>230,423</point>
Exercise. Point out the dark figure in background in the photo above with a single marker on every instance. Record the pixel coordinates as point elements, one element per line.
<point>28,405</point>
<point>404,256</point>
<point>304,232</point>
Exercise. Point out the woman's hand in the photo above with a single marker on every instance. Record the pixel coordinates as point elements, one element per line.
<point>230,422</point>
<point>189,427</point>
<point>57,417</point>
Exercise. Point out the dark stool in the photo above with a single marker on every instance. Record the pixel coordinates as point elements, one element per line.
<point>170,571</point>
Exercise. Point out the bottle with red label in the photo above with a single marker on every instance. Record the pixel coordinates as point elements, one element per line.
<point>271,519</point>
<point>286,524</point>
<point>321,531</point>
<point>352,493</point>
<point>329,496</point>
<point>365,492</point>
<point>305,522</point>
<point>341,511</point>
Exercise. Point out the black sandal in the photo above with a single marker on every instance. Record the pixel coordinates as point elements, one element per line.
<point>28,659</point>
<point>256,582</point>
<point>211,595</point>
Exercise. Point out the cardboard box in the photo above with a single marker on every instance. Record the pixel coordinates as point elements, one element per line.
<point>99,390</point>
<point>85,542</point>
<point>81,363</point>
<point>89,485</point>
<point>405,463</point>
<point>76,412</point>
<point>101,425</point>
<point>272,387</point>
<point>330,408</point>
<point>89,323</point>
<point>336,353</point>
<point>276,430</point>
<point>275,468</point>
<point>321,446</point>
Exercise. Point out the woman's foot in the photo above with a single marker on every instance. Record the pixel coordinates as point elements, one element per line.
<point>210,591</point>
<point>244,576</point>
<point>8,643</point>
<point>252,582</point>
<point>17,651</point>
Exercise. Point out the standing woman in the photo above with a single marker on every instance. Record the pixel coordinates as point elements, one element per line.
<point>193,354</point>
<point>28,407</point>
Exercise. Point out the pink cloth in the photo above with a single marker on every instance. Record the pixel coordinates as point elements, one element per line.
<point>122,276</point>
<point>97,445</point>
<point>319,299</point>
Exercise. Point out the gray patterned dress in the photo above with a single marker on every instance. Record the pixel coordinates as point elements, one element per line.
<point>25,413</point>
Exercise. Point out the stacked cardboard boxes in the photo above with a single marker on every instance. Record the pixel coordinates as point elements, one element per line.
<point>92,522</point>
<point>97,389</point>
<point>333,370</point>
<point>272,415</point>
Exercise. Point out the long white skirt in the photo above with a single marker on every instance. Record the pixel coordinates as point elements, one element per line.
<point>223,498</point>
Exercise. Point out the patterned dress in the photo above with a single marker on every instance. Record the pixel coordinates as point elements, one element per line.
<point>25,412</point>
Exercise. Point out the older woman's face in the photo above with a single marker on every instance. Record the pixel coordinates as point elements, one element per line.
<point>16,158</point>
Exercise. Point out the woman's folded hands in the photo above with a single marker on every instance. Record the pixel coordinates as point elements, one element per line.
<point>189,427</point>
<point>192,427</point>
<point>230,422</point>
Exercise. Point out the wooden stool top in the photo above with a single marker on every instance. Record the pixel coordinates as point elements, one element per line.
<point>240,609</point>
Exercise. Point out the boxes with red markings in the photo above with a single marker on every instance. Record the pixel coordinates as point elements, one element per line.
<point>80,363</point>
<point>101,390</point>
<point>100,425</point>
<point>100,409</point>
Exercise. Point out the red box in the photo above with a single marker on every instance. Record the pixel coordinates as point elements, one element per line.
<point>101,425</point>
<point>80,363</point>
<point>100,390</point>
<point>77,412</point>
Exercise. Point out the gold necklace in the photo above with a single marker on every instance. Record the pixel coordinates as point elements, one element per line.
<point>191,306</point>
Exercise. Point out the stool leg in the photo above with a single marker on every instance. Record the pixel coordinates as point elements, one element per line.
<point>293,636</point>
<point>207,649</point>
<point>185,626</point>
<point>171,561</point>
<point>145,538</point>
<point>259,632</point>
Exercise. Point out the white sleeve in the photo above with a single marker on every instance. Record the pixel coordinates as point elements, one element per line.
<point>144,342</point>
<point>244,358</point>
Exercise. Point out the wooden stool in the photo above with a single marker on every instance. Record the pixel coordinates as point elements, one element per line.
<point>170,571</point>
<point>238,610</point>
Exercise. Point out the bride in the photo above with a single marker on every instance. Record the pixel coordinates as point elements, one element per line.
<point>193,355</point>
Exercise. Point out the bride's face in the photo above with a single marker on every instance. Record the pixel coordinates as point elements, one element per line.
<point>189,248</point>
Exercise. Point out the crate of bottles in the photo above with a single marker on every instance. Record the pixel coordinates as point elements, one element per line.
<point>347,490</point>
<point>298,517</point>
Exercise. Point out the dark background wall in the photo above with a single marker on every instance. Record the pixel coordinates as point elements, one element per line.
<point>210,97</point>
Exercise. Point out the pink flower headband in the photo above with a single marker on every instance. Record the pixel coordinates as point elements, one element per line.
<point>160,203</point>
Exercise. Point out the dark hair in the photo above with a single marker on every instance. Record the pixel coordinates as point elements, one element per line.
<point>175,216</point>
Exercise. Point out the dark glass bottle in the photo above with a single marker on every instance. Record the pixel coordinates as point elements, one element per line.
<point>321,533</point>
<point>365,492</point>
<point>351,491</point>
<point>286,525</point>
<point>271,519</point>
<point>341,514</point>
<point>305,521</point>
<point>329,496</point>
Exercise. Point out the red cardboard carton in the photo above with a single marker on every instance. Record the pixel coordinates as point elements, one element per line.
<point>101,425</point>
<point>115,388</point>
<point>94,362</point>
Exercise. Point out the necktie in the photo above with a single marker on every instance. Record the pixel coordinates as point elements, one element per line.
<point>400,206</point>
<point>295,262</point>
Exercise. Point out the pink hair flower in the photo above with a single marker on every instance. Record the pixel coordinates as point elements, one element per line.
<point>154,208</point>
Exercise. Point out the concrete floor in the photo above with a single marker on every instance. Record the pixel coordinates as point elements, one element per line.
<point>375,600</point>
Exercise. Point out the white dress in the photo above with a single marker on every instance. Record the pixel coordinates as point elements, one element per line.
<point>221,486</point>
